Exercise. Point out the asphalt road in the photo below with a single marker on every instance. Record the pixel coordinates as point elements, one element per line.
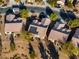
<point>36,9</point>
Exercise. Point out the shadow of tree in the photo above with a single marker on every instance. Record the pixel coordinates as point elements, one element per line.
<point>31,51</point>
<point>0,45</point>
<point>12,43</point>
<point>42,51</point>
<point>52,51</point>
<point>30,48</point>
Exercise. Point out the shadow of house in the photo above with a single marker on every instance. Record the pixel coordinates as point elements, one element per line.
<point>63,14</point>
<point>9,11</point>
<point>42,15</point>
<point>28,22</point>
<point>53,52</point>
<point>67,15</point>
<point>48,11</point>
<point>71,15</point>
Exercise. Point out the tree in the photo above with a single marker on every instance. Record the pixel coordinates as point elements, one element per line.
<point>16,56</point>
<point>1,1</point>
<point>52,2</point>
<point>27,36</point>
<point>24,13</point>
<point>74,2</point>
<point>68,3</point>
<point>69,49</point>
<point>53,17</point>
<point>73,25</point>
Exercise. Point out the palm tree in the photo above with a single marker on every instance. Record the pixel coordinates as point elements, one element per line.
<point>26,36</point>
<point>68,3</point>
<point>73,25</point>
<point>53,17</point>
<point>69,49</point>
<point>24,13</point>
<point>52,2</point>
<point>1,1</point>
<point>74,2</point>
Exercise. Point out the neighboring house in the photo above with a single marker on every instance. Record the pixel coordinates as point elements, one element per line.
<point>77,33</point>
<point>56,35</point>
<point>75,41</point>
<point>13,24</point>
<point>61,34</point>
<point>13,27</point>
<point>39,28</point>
<point>77,10</point>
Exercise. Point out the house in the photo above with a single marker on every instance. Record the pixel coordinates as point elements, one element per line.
<point>77,33</point>
<point>13,24</point>
<point>56,35</point>
<point>39,28</point>
<point>61,34</point>
<point>13,27</point>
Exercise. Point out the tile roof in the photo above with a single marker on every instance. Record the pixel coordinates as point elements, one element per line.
<point>77,33</point>
<point>55,35</point>
<point>13,27</point>
<point>40,31</point>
